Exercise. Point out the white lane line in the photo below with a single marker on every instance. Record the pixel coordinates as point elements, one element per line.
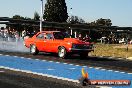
<point>90,67</point>
<point>41,74</point>
<point>50,61</point>
<point>110,70</point>
<point>76,65</point>
<point>97,68</point>
<point>7,55</point>
<point>103,69</point>
<point>130,73</point>
<point>22,57</point>
<point>122,72</point>
<point>116,71</point>
<point>50,69</point>
<point>15,56</point>
<point>65,63</point>
<point>70,64</point>
<point>72,68</point>
<point>84,66</point>
<point>36,59</point>
<point>29,58</point>
<point>43,60</point>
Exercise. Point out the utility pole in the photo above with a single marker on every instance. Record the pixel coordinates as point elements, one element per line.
<point>70,21</point>
<point>41,16</point>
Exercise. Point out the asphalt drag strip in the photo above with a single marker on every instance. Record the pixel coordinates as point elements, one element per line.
<point>103,62</point>
<point>14,79</point>
<point>59,70</point>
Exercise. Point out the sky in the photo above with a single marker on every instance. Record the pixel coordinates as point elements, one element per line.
<point>119,11</point>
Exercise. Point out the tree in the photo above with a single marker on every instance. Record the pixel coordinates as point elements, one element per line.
<point>27,18</point>
<point>75,20</point>
<point>103,22</point>
<point>19,26</point>
<point>55,11</point>
<point>17,17</point>
<point>36,16</point>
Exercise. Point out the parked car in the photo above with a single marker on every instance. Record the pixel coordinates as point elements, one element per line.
<point>57,42</point>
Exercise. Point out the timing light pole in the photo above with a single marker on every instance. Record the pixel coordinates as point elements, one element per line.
<point>41,16</point>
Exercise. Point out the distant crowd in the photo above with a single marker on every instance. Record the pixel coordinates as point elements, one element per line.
<point>12,35</point>
<point>6,34</point>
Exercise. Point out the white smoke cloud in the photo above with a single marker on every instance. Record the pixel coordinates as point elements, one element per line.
<point>12,45</point>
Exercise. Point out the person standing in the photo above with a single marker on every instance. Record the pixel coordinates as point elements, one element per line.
<point>23,34</point>
<point>80,37</point>
<point>16,36</point>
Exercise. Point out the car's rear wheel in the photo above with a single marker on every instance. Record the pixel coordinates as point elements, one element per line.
<point>33,50</point>
<point>62,52</point>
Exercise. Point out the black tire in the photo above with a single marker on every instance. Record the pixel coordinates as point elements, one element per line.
<point>62,52</point>
<point>33,50</point>
<point>84,54</point>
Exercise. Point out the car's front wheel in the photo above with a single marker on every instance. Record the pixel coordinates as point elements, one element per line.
<point>62,52</point>
<point>33,50</point>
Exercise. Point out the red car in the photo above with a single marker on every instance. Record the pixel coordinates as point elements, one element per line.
<point>57,42</point>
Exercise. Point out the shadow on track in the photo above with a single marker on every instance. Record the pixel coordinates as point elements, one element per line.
<point>77,57</point>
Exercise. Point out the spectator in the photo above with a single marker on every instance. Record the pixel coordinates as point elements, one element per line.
<point>86,38</point>
<point>5,35</point>
<point>80,37</point>
<point>16,36</point>
<point>23,34</point>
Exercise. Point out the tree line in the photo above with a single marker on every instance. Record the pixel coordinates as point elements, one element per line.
<point>56,11</point>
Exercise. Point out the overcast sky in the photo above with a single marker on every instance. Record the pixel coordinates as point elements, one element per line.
<point>119,11</point>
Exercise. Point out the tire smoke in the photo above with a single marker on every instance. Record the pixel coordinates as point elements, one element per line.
<point>12,45</point>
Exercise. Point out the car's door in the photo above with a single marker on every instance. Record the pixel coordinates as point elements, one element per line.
<point>44,42</point>
<point>39,41</point>
<point>48,42</point>
<point>58,39</point>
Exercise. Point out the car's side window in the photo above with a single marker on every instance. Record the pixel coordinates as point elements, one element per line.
<point>45,36</point>
<point>49,36</point>
<point>40,36</point>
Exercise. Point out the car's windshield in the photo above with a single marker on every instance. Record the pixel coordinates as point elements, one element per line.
<point>61,35</point>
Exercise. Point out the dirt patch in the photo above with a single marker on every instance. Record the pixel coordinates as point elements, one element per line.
<point>112,50</point>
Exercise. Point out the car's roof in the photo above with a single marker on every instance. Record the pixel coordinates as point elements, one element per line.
<point>49,31</point>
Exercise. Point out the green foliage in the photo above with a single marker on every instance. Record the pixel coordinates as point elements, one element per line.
<point>101,22</point>
<point>20,26</point>
<point>75,20</point>
<point>55,11</point>
<point>27,18</point>
<point>103,31</point>
<point>36,16</point>
<point>17,17</point>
